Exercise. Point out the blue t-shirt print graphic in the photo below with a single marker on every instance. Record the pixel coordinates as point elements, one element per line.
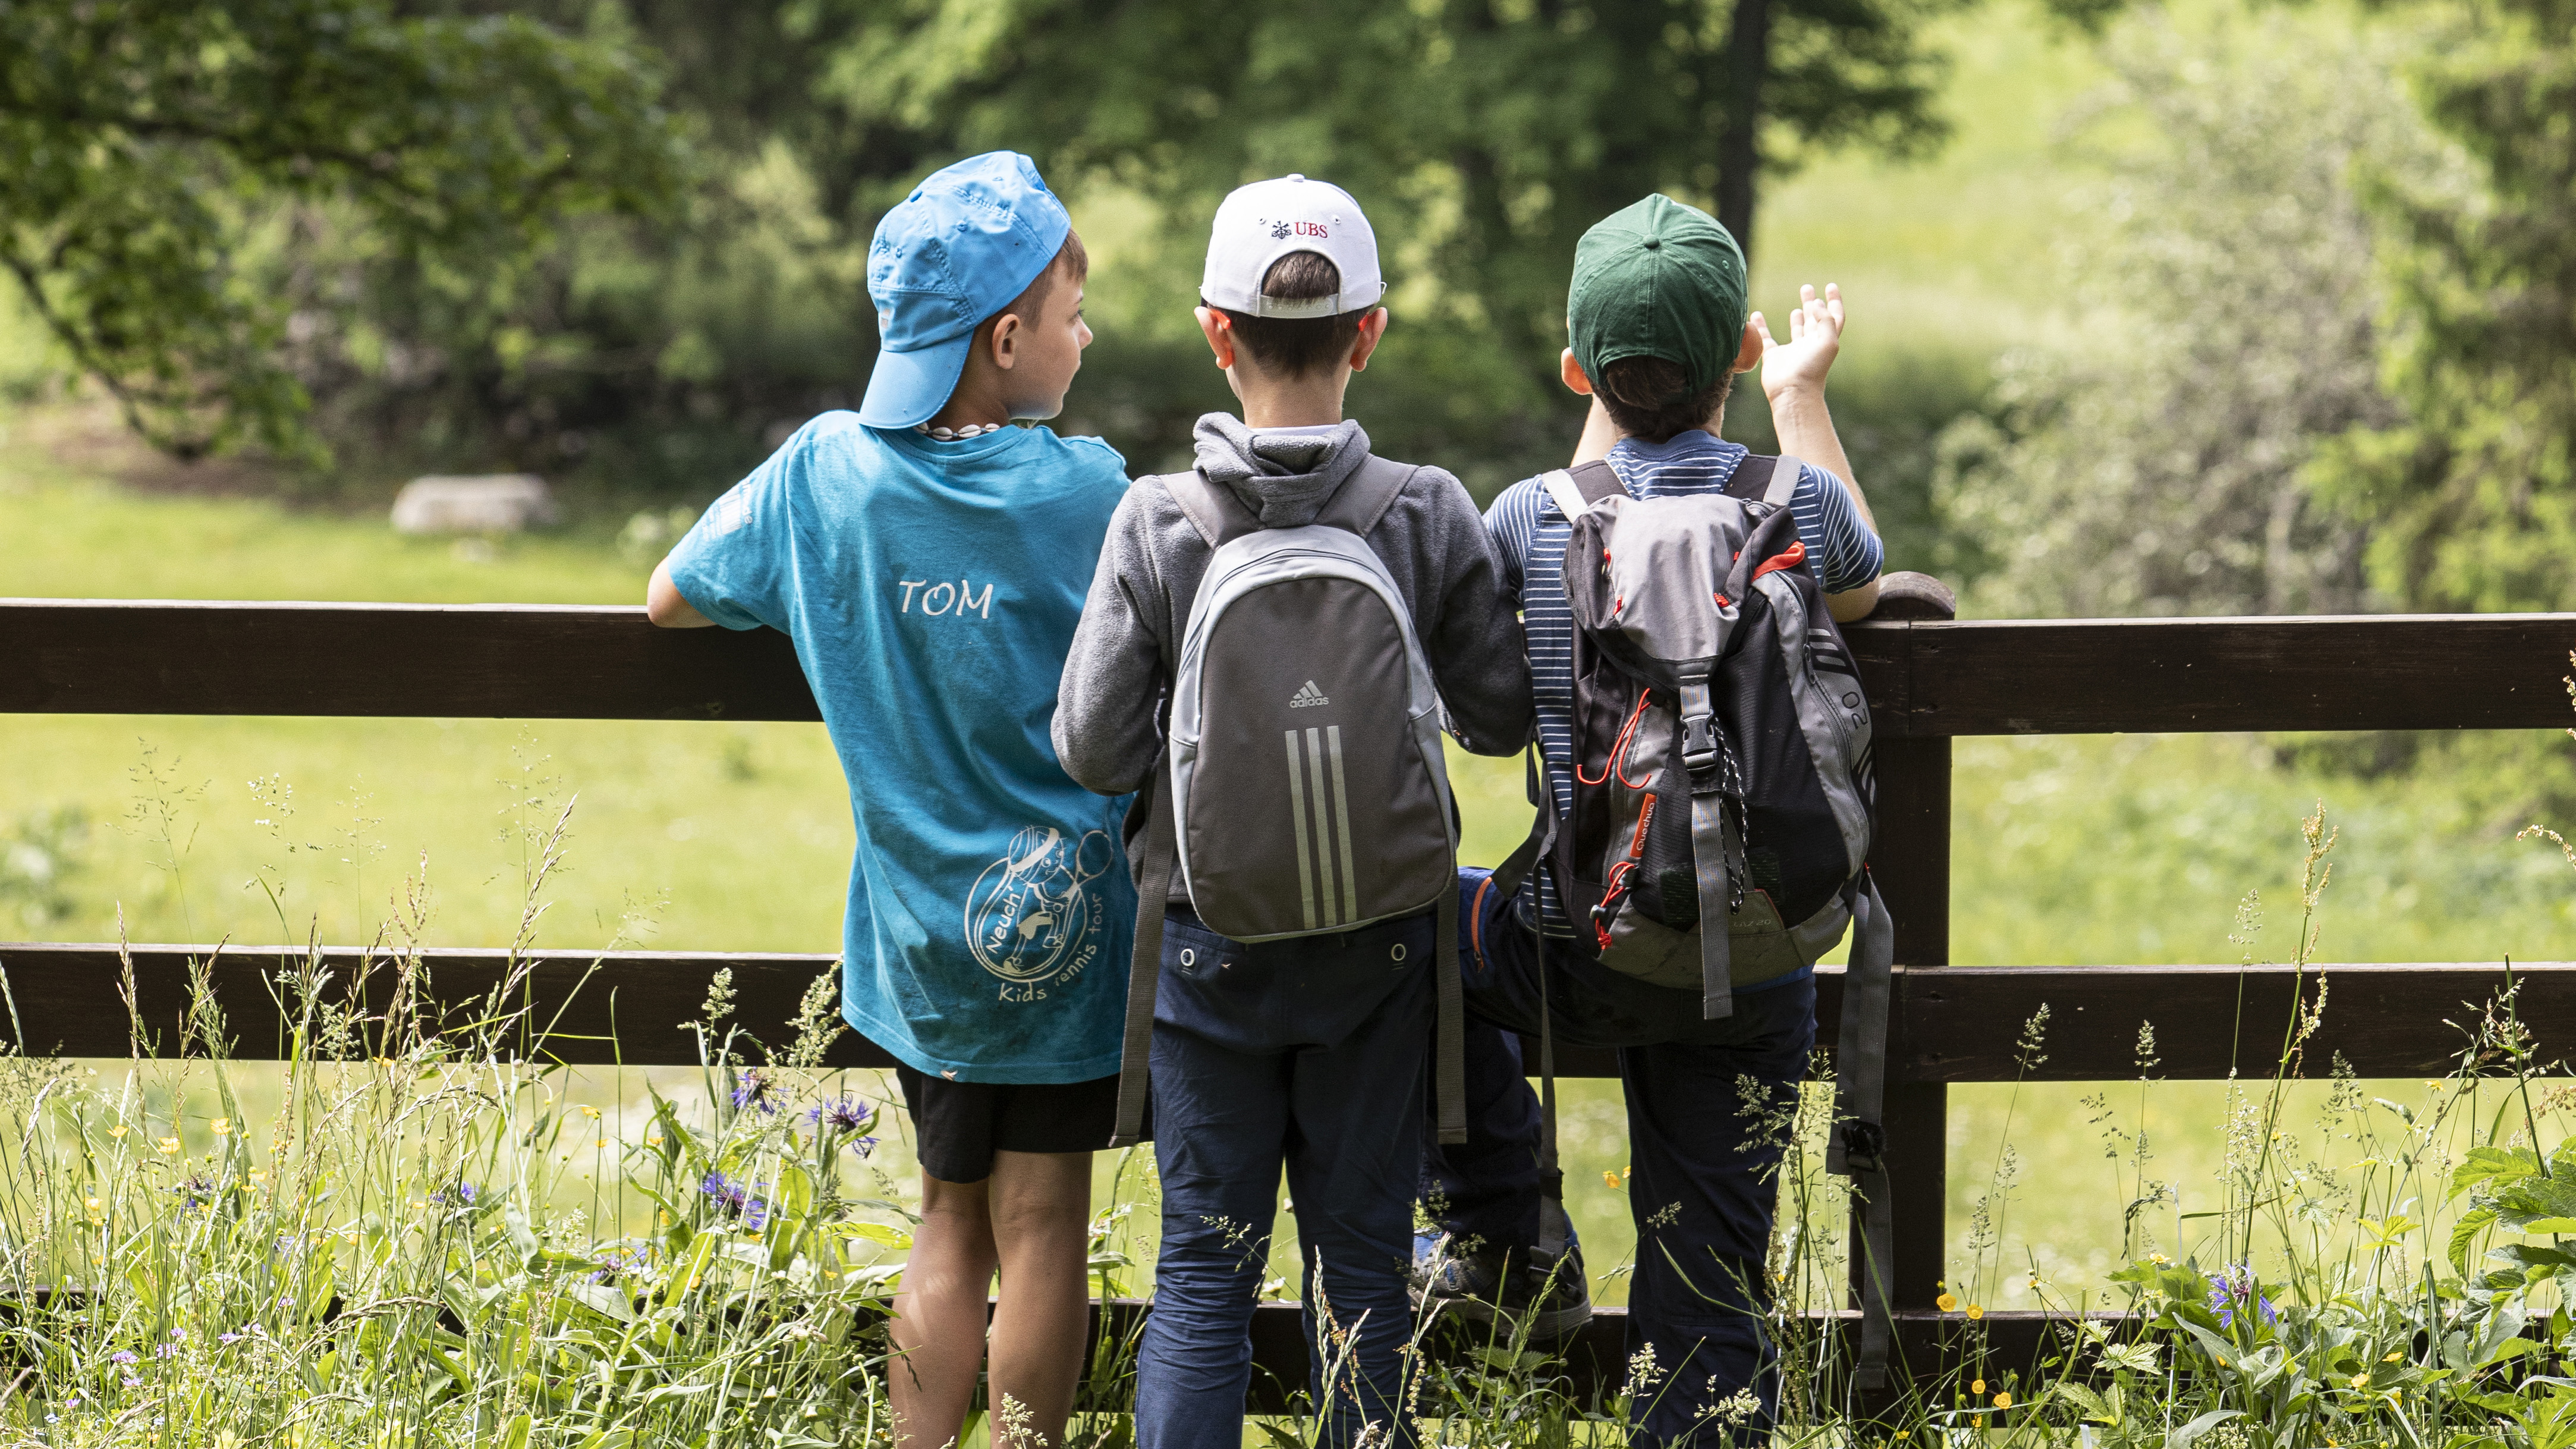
<point>932,590</point>
<point>1034,915</point>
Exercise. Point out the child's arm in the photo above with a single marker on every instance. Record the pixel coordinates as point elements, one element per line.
<point>1105,731</point>
<point>667,607</point>
<point>1793,378</point>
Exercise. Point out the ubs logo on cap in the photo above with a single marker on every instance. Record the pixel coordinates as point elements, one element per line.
<point>1282,230</point>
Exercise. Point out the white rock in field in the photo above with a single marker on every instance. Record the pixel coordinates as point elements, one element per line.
<point>493,503</point>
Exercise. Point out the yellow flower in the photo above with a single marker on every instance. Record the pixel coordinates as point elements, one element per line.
<point>1978,1387</point>
<point>223,1126</point>
<point>1976,1312</point>
<point>603,1142</point>
<point>2392,1358</point>
<point>258,1176</point>
<point>116,1131</point>
<point>1609,1177</point>
<point>653,1140</point>
<point>1947,1302</point>
<point>2003,1401</point>
<point>169,1144</point>
<point>590,1112</point>
<point>93,1204</point>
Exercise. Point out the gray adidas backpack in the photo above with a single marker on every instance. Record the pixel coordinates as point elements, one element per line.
<point>1303,789</point>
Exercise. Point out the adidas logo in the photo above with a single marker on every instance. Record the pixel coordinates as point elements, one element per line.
<point>1308,697</point>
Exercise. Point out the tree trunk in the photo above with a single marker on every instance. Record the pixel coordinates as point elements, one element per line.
<point>1748,62</point>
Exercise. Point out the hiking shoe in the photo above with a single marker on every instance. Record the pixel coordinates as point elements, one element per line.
<point>1506,1291</point>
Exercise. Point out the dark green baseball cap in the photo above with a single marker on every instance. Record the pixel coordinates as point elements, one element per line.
<point>1658,279</point>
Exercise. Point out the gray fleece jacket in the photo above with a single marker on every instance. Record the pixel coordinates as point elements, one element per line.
<point>1108,731</point>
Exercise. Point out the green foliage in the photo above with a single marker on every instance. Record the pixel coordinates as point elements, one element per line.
<point>153,156</point>
<point>2472,495</point>
<point>2157,465</point>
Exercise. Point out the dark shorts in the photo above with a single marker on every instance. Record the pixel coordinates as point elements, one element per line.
<point>960,1125</point>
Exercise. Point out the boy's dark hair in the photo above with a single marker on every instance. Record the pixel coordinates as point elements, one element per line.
<point>1071,263</point>
<point>1296,346</point>
<point>1639,394</point>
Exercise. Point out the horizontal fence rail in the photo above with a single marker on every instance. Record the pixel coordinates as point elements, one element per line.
<point>1926,678</point>
<point>1930,678</point>
<point>1946,1023</point>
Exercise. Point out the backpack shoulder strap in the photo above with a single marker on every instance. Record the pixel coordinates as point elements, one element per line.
<point>1215,512</point>
<point>1579,487</point>
<point>1770,480</point>
<point>1366,495</point>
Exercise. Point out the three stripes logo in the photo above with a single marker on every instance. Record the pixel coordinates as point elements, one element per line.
<point>1319,809</point>
<point>1308,697</point>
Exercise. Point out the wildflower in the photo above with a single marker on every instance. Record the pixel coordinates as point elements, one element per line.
<point>2003,1401</point>
<point>1947,1302</point>
<point>165,1350</point>
<point>223,1126</point>
<point>1975,1312</point>
<point>228,1339</point>
<point>170,1144</point>
<point>653,1139</point>
<point>2233,1286</point>
<point>590,1112</point>
<point>121,1356</point>
<point>2361,1381</point>
<point>91,1204</point>
<point>1978,1387</point>
<point>754,1089</point>
<point>2392,1357</point>
<point>736,1199</point>
<point>1610,1179</point>
<point>258,1176</point>
<point>116,1131</point>
<point>2160,1260</point>
<point>461,1195</point>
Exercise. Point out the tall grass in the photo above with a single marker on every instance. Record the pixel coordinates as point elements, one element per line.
<point>431,1240</point>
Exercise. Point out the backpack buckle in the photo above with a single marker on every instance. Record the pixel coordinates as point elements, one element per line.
<point>1700,746</point>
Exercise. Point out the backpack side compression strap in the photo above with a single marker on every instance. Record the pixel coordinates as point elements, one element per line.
<point>1144,972</point>
<point>1858,1147</point>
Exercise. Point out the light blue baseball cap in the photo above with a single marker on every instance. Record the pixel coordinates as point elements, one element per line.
<point>957,250</point>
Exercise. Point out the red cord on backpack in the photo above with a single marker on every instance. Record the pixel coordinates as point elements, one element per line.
<point>1620,749</point>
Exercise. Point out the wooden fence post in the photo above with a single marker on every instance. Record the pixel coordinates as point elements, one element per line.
<point>1912,864</point>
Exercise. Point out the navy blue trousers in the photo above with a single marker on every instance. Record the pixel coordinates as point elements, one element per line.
<point>1703,1192</point>
<point>1309,1056</point>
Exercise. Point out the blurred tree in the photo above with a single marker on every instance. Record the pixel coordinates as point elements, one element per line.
<point>1483,135</point>
<point>152,154</point>
<point>2155,461</point>
<point>2472,495</point>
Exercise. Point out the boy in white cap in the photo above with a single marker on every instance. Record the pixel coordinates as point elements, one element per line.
<point>929,561</point>
<point>1306,1053</point>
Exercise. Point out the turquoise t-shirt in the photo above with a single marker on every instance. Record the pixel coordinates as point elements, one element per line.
<point>932,589</point>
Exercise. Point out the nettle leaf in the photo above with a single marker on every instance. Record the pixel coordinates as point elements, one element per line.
<point>2486,1163</point>
<point>2465,1232</point>
<point>2535,1204</point>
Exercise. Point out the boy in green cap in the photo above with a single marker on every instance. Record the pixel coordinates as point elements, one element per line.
<point>1657,313</point>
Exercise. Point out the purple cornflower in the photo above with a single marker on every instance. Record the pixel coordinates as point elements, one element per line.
<point>736,1199</point>
<point>461,1195</point>
<point>2232,1287</point>
<point>754,1089</point>
<point>121,1356</point>
<point>849,1114</point>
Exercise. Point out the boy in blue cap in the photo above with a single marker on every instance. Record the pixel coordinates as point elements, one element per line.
<point>930,561</point>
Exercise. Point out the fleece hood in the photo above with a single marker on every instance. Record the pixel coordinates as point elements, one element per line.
<point>1284,478</point>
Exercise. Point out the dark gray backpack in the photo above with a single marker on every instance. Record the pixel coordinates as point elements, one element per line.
<point>1721,766</point>
<point>1303,790</point>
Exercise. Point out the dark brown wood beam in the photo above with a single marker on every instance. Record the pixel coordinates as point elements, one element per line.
<point>1926,678</point>
<point>1950,1023</point>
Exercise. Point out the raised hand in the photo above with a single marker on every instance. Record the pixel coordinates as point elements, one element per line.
<point>1815,337</point>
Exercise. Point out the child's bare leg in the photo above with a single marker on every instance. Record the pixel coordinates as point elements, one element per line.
<point>1041,1206</point>
<point>939,1316</point>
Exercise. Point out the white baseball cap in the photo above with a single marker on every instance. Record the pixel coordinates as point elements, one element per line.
<point>1258,224</point>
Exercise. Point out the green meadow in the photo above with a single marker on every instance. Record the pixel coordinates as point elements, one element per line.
<point>736,836</point>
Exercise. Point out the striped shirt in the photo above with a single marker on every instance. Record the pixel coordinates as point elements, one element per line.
<point>1529,534</point>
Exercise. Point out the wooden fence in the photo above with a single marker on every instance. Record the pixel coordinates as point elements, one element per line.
<point>1930,679</point>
